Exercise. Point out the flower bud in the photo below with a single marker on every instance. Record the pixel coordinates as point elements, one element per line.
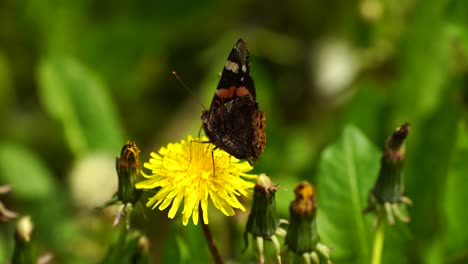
<point>389,186</point>
<point>128,169</point>
<point>388,191</point>
<point>264,222</point>
<point>23,253</point>
<point>263,219</point>
<point>302,237</point>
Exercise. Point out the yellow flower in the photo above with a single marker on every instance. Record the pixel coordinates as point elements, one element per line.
<point>184,172</point>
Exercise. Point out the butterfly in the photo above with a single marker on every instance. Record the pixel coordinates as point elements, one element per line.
<point>233,122</point>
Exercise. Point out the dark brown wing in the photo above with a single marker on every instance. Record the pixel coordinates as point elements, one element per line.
<point>233,122</point>
<point>235,79</point>
<point>238,127</point>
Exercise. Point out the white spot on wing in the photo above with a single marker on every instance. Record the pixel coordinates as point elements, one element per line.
<point>231,66</point>
<point>244,68</point>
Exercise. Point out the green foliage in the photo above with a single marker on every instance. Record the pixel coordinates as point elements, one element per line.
<point>346,174</point>
<point>76,98</point>
<point>426,172</point>
<point>78,77</point>
<point>423,77</point>
<point>29,175</point>
<point>5,83</point>
<point>454,203</point>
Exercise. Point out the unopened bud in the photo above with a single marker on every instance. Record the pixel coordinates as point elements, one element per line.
<point>23,253</point>
<point>128,167</point>
<point>302,238</point>
<point>263,219</point>
<point>264,222</point>
<point>388,191</point>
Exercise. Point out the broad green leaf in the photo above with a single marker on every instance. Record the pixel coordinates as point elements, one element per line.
<point>347,172</point>
<point>456,197</point>
<point>76,98</point>
<point>24,170</point>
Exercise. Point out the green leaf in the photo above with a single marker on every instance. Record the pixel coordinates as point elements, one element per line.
<point>77,99</point>
<point>347,172</point>
<point>455,206</point>
<point>24,170</point>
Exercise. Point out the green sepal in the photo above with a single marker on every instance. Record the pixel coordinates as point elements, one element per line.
<point>128,177</point>
<point>302,233</point>
<point>263,219</point>
<point>389,186</point>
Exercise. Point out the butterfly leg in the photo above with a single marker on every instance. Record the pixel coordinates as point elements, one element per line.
<point>212,159</point>
<point>199,131</point>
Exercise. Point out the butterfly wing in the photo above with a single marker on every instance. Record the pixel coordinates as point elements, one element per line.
<point>234,123</point>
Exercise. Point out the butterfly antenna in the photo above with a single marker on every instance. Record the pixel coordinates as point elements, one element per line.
<point>185,86</point>
<point>182,82</point>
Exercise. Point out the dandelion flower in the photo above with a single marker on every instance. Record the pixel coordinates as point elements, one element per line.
<point>184,172</point>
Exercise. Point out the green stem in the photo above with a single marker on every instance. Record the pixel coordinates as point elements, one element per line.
<point>118,248</point>
<point>378,244</point>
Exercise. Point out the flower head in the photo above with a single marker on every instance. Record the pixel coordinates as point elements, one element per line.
<point>302,238</point>
<point>388,192</point>
<point>193,171</point>
<point>128,168</point>
<point>264,222</point>
<point>24,252</point>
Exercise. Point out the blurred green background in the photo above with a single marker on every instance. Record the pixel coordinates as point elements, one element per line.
<point>80,78</point>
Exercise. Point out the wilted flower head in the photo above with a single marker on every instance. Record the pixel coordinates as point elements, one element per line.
<point>128,168</point>
<point>388,191</point>
<point>264,222</point>
<point>302,238</point>
<point>193,171</point>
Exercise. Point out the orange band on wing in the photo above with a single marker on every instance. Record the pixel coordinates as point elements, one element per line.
<point>242,91</point>
<point>226,92</point>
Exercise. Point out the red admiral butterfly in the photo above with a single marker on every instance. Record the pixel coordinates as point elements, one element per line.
<point>234,123</point>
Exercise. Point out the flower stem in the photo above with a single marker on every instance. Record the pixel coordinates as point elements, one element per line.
<point>209,238</point>
<point>378,244</point>
<point>120,244</point>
